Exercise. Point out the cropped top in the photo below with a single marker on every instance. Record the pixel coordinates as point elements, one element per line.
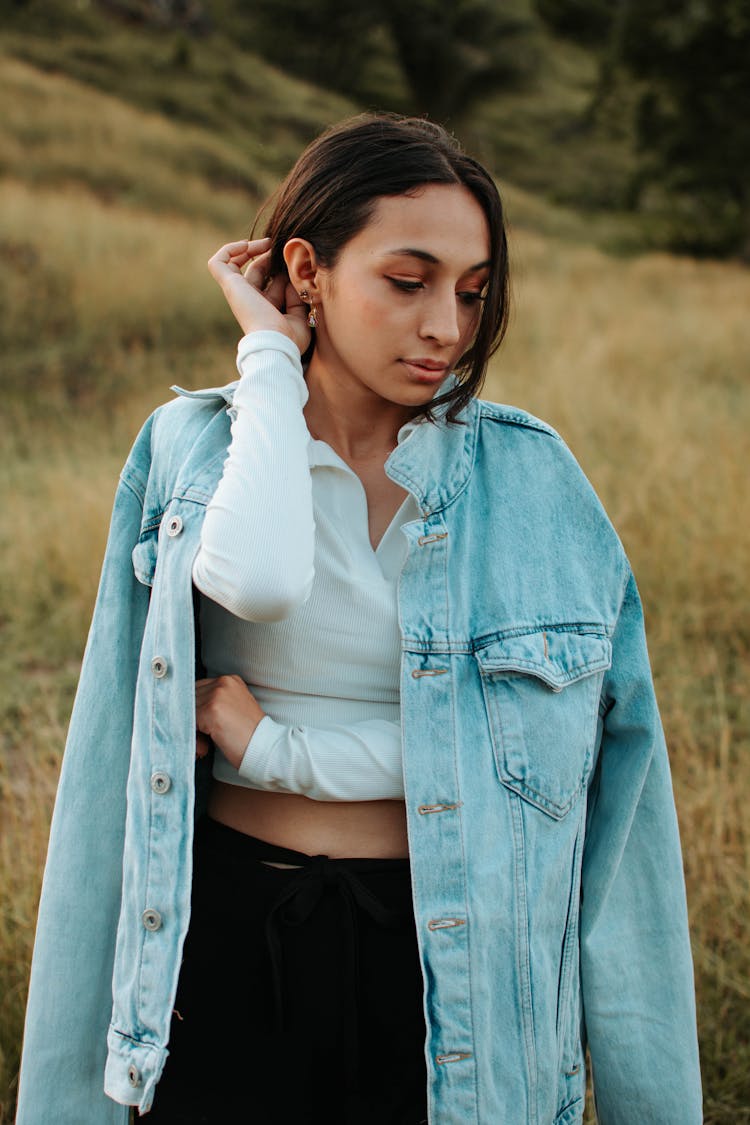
<point>295,600</point>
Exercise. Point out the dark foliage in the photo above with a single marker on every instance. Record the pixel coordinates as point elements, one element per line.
<point>690,63</point>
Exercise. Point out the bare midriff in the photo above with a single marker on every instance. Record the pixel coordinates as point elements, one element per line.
<point>339,829</point>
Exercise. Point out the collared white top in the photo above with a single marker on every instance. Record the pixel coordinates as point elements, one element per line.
<point>312,626</point>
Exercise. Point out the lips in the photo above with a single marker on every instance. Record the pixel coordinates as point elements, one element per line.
<point>423,370</point>
<point>427,364</point>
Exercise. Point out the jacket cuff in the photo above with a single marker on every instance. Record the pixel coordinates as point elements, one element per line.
<point>132,1070</point>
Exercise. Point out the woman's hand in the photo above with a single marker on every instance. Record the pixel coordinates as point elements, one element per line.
<point>255,298</point>
<point>227,713</point>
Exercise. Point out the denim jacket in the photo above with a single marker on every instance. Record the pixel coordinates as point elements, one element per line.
<point>547,879</point>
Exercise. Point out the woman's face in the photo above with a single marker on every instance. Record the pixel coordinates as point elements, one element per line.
<point>403,301</point>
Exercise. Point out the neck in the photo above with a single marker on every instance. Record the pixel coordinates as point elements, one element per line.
<point>352,418</point>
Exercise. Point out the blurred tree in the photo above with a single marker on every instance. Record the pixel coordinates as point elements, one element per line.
<point>454,54</point>
<point>694,58</point>
<point>325,41</point>
<point>690,62</point>
<point>448,55</point>
<point>586,21</point>
<point>188,14</point>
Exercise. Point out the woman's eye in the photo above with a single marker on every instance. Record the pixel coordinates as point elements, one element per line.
<point>406,286</point>
<point>471,298</point>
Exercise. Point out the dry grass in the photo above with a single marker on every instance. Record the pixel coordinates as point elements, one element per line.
<point>88,286</point>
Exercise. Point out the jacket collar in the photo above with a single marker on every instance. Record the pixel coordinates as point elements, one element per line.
<point>226,392</point>
<point>433,460</point>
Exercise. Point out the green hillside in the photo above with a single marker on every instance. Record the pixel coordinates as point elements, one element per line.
<point>243,121</point>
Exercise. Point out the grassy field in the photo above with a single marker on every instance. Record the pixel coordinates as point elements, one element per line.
<point>641,364</point>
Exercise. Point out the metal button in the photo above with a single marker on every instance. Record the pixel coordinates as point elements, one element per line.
<point>445,923</point>
<point>134,1076</point>
<point>452,1056</point>
<point>161,782</point>
<point>174,526</point>
<point>151,919</point>
<point>159,667</point>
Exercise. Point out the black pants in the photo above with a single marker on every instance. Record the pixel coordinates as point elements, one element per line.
<point>300,992</point>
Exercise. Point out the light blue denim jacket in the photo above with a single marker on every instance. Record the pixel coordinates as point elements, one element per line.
<point>547,878</point>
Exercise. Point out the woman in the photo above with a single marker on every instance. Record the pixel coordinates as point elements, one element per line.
<point>435,850</point>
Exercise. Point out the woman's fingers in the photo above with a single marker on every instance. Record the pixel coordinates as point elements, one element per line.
<point>227,712</point>
<point>258,300</point>
<point>234,256</point>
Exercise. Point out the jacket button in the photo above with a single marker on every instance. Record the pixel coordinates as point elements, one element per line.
<point>151,919</point>
<point>161,782</point>
<point>174,527</point>
<point>134,1076</point>
<point>159,667</point>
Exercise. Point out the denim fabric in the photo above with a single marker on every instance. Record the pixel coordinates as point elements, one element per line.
<point>547,880</point>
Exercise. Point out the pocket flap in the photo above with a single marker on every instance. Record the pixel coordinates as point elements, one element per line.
<point>144,559</point>
<point>558,657</point>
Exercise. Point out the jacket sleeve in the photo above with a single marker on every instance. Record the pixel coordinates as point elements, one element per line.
<point>70,994</point>
<point>636,965</point>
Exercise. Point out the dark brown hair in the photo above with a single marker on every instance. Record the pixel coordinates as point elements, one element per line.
<point>332,191</point>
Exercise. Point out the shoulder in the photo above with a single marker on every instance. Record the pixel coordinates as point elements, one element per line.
<point>524,461</point>
<point>173,430</point>
<point>514,416</point>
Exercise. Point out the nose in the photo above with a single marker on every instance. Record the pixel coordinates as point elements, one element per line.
<point>440,319</point>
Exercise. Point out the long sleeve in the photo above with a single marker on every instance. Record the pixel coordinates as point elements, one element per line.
<point>356,762</point>
<point>636,966</point>
<point>257,542</point>
<point>70,993</point>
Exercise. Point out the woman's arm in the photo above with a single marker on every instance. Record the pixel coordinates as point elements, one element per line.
<point>256,553</point>
<point>257,542</point>
<point>356,762</point>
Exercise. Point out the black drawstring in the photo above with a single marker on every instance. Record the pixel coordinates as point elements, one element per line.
<point>294,906</point>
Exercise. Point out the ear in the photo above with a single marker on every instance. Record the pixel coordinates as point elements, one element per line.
<point>302,265</point>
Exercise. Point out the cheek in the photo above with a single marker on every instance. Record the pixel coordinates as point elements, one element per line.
<point>365,312</point>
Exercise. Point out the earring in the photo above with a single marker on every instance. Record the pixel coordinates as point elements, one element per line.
<point>312,318</point>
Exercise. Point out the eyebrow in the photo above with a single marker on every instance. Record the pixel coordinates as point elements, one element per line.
<point>424,256</point>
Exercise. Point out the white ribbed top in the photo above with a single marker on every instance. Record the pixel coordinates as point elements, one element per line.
<point>296,601</point>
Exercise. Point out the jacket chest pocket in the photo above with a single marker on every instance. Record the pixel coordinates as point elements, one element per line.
<point>144,556</point>
<point>542,694</point>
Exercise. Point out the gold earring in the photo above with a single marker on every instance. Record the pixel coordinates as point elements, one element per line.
<point>312,319</point>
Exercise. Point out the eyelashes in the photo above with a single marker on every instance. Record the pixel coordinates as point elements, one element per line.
<point>468,298</point>
<point>406,286</point>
